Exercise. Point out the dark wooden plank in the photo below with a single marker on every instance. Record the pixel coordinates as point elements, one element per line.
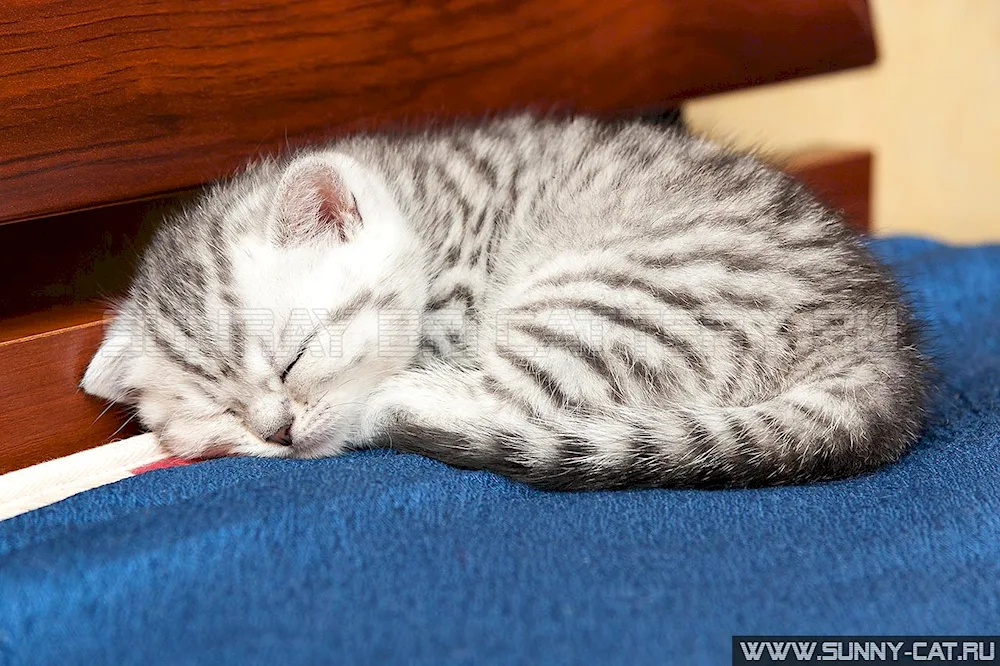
<point>43,414</point>
<point>76,257</point>
<point>841,179</point>
<point>102,102</point>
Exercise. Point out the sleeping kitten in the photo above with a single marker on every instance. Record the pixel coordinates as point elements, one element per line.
<point>573,304</point>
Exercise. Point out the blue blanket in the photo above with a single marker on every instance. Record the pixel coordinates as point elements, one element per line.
<point>379,557</point>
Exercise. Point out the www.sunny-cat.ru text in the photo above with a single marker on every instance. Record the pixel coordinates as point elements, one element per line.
<point>865,649</point>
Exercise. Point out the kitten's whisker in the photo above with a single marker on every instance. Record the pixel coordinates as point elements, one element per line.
<point>350,402</point>
<point>111,403</point>
<point>122,426</point>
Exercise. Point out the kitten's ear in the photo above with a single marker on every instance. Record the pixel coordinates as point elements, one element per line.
<point>106,375</point>
<point>313,201</point>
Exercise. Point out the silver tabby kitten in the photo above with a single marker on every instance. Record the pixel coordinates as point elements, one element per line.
<point>574,304</point>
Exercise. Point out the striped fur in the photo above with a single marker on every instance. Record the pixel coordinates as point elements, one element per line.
<point>574,304</point>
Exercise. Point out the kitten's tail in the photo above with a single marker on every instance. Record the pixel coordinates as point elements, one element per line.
<point>816,430</point>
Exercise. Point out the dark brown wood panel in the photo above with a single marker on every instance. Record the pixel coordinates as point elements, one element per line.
<point>841,179</point>
<point>43,414</point>
<point>103,102</point>
<point>74,258</point>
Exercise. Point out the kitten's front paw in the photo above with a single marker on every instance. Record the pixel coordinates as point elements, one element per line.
<point>437,394</point>
<point>332,427</point>
<point>382,409</point>
<point>411,395</point>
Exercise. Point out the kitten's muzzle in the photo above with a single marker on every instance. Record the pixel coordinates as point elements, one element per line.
<point>282,436</point>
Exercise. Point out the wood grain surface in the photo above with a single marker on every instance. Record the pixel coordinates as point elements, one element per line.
<point>104,102</point>
<point>76,257</point>
<point>43,414</point>
<point>842,179</point>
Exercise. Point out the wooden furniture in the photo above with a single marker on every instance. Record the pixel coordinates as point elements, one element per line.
<point>110,111</point>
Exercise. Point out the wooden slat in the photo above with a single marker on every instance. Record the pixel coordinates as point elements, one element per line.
<point>43,415</point>
<point>74,258</point>
<point>841,179</point>
<point>105,102</point>
<point>43,356</point>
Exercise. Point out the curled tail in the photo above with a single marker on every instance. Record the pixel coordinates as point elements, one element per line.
<point>839,424</point>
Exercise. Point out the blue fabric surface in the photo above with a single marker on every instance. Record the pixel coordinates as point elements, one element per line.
<point>378,557</point>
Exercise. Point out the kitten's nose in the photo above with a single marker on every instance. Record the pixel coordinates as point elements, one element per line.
<point>283,436</point>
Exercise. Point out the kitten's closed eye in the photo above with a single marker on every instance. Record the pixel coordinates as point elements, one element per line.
<point>298,357</point>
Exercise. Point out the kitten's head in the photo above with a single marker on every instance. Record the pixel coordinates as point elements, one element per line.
<point>262,318</point>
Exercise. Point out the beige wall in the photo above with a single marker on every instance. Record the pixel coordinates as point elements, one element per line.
<point>930,110</point>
